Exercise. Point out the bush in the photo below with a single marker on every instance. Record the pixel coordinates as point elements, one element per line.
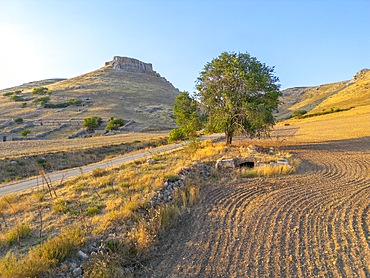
<point>171,177</point>
<point>18,232</point>
<point>177,134</point>
<point>115,123</point>
<point>56,105</point>
<point>299,113</point>
<point>76,102</point>
<point>92,210</point>
<point>41,99</point>
<point>16,98</point>
<point>18,120</point>
<point>24,104</point>
<point>25,132</point>
<point>92,123</point>
<point>40,91</point>
<point>8,94</point>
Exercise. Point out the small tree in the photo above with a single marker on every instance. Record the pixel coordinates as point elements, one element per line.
<point>238,94</point>
<point>177,134</point>
<point>25,132</point>
<point>92,123</point>
<point>115,123</point>
<point>187,114</point>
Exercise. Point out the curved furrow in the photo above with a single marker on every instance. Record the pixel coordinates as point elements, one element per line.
<point>225,210</point>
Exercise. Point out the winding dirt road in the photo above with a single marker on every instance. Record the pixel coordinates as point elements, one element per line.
<point>315,223</point>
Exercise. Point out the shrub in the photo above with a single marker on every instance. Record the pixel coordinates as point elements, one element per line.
<point>171,177</point>
<point>24,104</point>
<point>56,105</point>
<point>73,101</point>
<point>41,99</point>
<point>40,91</point>
<point>25,132</point>
<point>92,123</point>
<point>92,210</point>
<point>299,113</point>
<point>177,134</point>
<point>60,205</point>
<point>8,94</point>
<point>16,98</point>
<point>18,120</point>
<point>115,123</point>
<point>18,232</point>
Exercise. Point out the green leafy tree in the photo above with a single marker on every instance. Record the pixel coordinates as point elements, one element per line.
<point>239,95</point>
<point>115,123</point>
<point>25,132</point>
<point>92,123</point>
<point>187,114</point>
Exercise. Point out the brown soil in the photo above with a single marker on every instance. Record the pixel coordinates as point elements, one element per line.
<point>311,224</point>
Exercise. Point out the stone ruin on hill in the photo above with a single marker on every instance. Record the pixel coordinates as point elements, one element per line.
<point>131,65</point>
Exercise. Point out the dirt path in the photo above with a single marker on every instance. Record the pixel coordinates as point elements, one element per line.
<point>312,224</point>
<point>66,174</point>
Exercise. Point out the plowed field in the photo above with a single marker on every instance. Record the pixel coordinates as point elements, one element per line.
<point>314,223</point>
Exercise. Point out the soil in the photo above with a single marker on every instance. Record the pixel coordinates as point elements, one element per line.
<point>314,223</point>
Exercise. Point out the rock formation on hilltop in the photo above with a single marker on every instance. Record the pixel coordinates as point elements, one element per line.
<point>131,65</point>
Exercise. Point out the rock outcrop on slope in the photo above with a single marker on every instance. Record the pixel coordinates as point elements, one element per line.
<point>131,65</point>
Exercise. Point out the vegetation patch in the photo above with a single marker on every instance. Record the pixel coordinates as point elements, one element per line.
<point>332,110</point>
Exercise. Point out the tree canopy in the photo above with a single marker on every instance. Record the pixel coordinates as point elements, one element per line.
<point>115,123</point>
<point>239,95</point>
<point>92,123</point>
<point>187,114</point>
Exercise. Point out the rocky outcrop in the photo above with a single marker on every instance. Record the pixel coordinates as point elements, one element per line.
<point>359,74</point>
<point>131,65</point>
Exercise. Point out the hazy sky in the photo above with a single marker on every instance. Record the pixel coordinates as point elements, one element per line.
<point>310,42</point>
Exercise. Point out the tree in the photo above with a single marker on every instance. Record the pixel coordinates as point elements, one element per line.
<point>92,123</point>
<point>115,123</point>
<point>25,132</point>
<point>187,114</point>
<point>239,95</point>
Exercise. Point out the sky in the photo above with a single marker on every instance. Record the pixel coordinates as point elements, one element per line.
<point>309,42</point>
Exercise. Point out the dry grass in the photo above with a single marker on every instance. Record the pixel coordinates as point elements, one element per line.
<point>105,202</point>
<point>144,98</point>
<point>16,167</point>
<point>354,123</point>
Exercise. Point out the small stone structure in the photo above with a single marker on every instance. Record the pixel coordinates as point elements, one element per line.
<point>6,137</point>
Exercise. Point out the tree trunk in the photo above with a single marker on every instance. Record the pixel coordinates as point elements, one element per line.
<point>229,138</point>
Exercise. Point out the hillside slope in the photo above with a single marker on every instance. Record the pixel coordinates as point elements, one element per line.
<point>339,95</point>
<point>124,87</point>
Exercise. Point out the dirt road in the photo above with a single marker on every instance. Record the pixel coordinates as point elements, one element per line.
<point>65,174</point>
<point>311,224</point>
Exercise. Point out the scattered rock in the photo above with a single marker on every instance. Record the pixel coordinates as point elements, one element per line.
<point>224,163</point>
<point>77,272</point>
<point>82,255</point>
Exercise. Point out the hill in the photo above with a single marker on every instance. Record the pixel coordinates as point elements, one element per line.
<point>124,87</point>
<point>334,96</point>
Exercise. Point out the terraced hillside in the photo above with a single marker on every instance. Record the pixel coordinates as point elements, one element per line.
<point>311,224</point>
